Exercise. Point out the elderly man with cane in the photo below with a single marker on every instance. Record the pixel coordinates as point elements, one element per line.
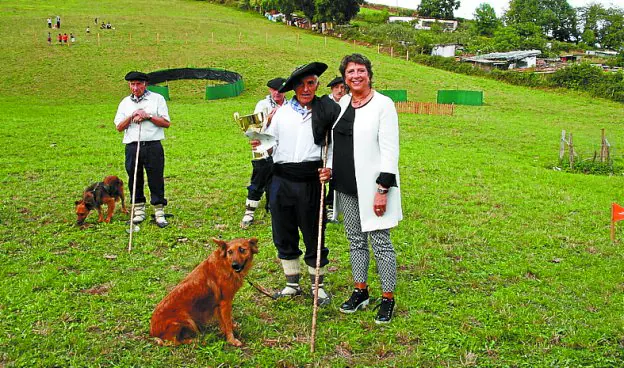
<point>300,129</point>
<point>143,117</point>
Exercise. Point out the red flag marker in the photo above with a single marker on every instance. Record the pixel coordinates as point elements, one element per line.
<point>617,214</point>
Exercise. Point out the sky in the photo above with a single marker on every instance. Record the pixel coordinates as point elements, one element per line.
<point>468,7</point>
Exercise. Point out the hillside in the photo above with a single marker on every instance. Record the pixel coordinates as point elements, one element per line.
<point>503,261</point>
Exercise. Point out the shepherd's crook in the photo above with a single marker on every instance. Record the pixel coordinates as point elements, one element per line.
<point>318,252</point>
<point>136,166</point>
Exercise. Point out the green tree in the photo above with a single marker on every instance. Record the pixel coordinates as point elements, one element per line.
<point>611,35</point>
<point>556,18</point>
<point>338,11</point>
<point>486,21</point>
<point>439,9</point>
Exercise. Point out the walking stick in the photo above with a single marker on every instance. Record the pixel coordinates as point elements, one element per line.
<point>318,253</point>
<point>136,166</point>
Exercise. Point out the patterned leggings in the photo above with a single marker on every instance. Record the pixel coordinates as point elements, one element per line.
<point>380,242</point>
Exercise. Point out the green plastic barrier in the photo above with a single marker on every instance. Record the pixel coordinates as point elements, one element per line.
<point>225,90</point>
<point>397,95</point>
<point>161,90</point>
<point>460,97</point>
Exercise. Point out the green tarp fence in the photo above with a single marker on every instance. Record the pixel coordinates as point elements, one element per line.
<point>397,95</point>
<point>234,82</point>
<point>460,97</point>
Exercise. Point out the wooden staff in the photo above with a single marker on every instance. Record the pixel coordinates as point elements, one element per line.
<point>318,251</point>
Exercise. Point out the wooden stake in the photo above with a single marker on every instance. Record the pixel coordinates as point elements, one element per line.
<point>240,35</point>
<point>98,38</point>
<point>212,36</point>
<point>186,40</point>
<point>407,56</point>
<point>130,35</point>
<point>353,43</point>
<point>612,231</point>
<point>602,146</point>
<point>391,51</point>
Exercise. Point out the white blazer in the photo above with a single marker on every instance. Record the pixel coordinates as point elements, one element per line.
<point>375,150</point>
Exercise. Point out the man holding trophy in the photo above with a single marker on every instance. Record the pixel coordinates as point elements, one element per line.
<point>262,162</point>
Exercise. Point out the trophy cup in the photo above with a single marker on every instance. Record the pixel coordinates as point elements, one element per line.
<point>252,125</point>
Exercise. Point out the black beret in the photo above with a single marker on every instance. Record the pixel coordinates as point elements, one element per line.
<point>276,83</point>
<point>314,68</point>
<point>335,81</point>
<point>136,76</point>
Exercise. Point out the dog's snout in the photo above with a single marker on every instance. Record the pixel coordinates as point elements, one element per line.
<point>237,266</point>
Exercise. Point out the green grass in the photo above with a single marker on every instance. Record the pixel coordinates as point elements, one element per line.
<point>503,262</point>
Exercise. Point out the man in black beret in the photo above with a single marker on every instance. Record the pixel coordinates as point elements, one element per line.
<point>143,117</point>
<point>337,89</point>
<point>300,128</point>
<point>262,163</point>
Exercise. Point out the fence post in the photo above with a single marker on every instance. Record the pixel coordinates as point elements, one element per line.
<point>571,144</point>
<point>562,145</point>
<point>407,56</point>
<point>391,51</point>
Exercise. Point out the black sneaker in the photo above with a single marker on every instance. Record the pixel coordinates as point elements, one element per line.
<point>386,307</point>
<point>359,299</point>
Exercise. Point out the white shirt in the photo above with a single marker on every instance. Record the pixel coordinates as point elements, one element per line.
<point>154,104</point>
<point>293,133</point>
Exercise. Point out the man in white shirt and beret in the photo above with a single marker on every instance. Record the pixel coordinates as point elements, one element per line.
<point>143,116</point>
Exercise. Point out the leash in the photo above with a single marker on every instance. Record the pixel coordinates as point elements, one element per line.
<point>318,251</point>
<point>261,289</point>
<point>136,166</point>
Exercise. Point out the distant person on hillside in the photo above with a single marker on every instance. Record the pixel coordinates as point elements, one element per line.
<point>58,21</point>
<point>262,163</point>
<point>60,39</point>
<point>72,38</point>
<point>64,37</point>
<point>300,128</point>
<point>103,26</point>
<point>95,21</point>
<point>143,117</point>
<point>49,22</point>
<point>49,39</point>
<point>88,29</point>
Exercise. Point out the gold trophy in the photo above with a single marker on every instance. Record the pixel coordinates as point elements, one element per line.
<point>252,126</point>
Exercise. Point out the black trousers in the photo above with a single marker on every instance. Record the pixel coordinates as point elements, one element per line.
<point>260,178</point>
<point>294,207</point>
<point>152,160</point>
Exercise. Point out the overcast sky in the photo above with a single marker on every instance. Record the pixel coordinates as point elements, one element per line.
<point>468,7</point>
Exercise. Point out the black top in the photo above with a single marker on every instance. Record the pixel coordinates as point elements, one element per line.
<point>343,173</point>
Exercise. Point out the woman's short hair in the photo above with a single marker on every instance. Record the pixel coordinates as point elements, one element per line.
<point>357,59</point>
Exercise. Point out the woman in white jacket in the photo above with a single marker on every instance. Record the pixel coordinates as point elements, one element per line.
<point>365,174</point>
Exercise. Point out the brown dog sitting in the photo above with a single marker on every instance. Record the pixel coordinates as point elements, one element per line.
<point>205,294</point>
<point>105,192</point>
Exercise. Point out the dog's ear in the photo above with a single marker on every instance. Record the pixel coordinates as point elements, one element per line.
<point>253,243</point>
<point>222,245</point>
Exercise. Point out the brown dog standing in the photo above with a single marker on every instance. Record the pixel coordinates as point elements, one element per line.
<point>205,294</point>
<point>108,191</point>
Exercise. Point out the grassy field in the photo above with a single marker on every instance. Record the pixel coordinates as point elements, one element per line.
<point>503,261</point>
